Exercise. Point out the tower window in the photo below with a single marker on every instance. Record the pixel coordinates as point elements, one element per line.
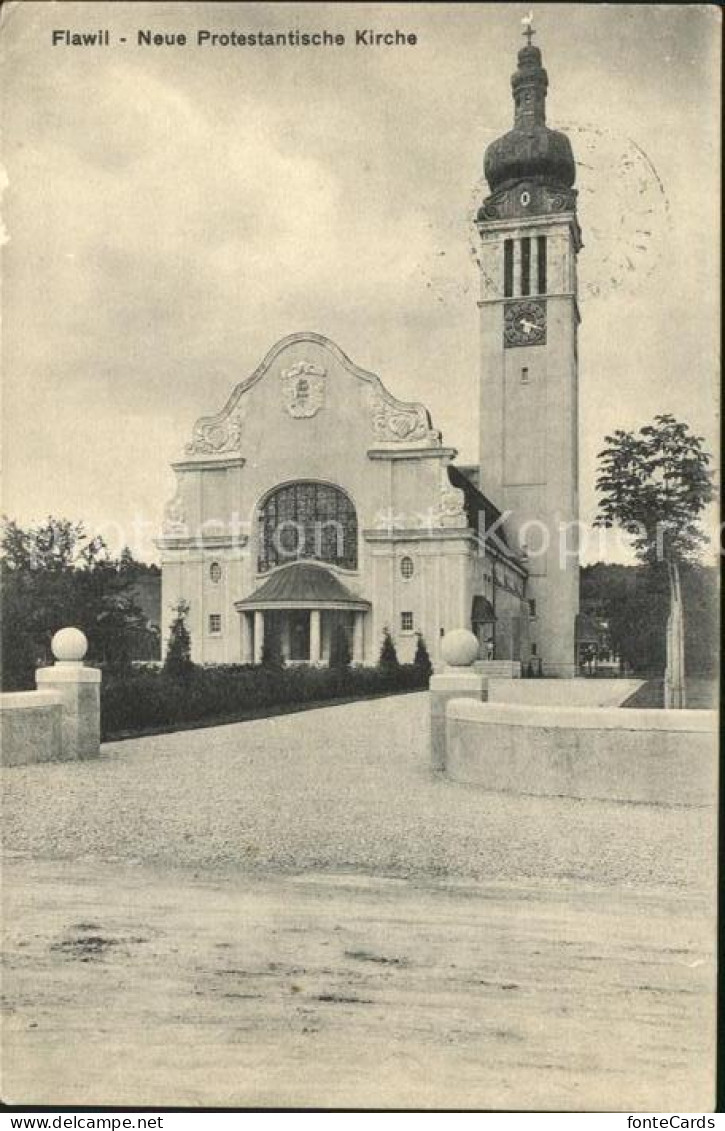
<point>215,572</point>
<point>215,623</point>
<point>542,264</point>
<point>526,266</point>
<point>532,607</point>
<point>407,568</point>
<point>525,375</point>
<point>508,268</point>
<point>406,622</point>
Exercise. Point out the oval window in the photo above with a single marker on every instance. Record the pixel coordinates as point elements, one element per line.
<point>407,568</point>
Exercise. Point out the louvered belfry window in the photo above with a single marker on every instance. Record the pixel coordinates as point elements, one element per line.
<point>307,522</point>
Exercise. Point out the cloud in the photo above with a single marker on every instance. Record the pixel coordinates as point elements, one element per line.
<point>171,214</point>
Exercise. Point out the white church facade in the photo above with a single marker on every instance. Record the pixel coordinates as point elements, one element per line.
<point>316,504</point>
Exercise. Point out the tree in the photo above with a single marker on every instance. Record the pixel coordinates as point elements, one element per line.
<point>655,484</point>
<point>178,663</point>
<point>702,638</point>
<point>272,646</point>
<point>388,656</point>
<point>54,575</point>
<point>631,604</point>
<point>340,655</point>
<point>422,659</point>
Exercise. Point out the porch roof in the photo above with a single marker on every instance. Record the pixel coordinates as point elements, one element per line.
<point>302,586</point>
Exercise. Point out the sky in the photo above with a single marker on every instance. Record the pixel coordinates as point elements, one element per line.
<point>171,212</point>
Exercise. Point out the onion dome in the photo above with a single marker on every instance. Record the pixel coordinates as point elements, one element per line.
<point>530,151</point>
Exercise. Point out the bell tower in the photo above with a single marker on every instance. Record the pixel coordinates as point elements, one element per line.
<point>530,239</point>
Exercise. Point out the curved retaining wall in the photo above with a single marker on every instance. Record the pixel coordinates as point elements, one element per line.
<point>30,727</point>
<point>567,692</point>
<point>665,757</point>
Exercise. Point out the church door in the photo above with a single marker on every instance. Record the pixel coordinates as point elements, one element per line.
<point>299,635</point>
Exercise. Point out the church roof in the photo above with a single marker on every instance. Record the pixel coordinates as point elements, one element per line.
<point>478,506</point>
<point>302,585</point>
<point>482,610</point>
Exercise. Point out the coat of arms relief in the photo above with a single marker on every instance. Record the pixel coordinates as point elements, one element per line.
<point>303,389</point>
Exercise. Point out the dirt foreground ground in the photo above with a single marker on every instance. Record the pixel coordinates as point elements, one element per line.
<point>298,912</point>
<point>138,985</point>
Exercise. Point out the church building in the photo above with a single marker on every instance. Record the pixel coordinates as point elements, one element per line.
<point>315,505</point>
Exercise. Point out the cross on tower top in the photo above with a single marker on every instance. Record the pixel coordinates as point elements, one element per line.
<point>528,31</point>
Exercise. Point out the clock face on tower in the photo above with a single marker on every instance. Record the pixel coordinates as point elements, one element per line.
<point>524,323</point>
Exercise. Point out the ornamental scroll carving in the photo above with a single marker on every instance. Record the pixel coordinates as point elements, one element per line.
<point>493,207</point>
<point>451,503</point>
<point>395,422</point>
<point>174,521</point>
<point>216,435</point>
<point>539,200</point>
<point>561,200</point>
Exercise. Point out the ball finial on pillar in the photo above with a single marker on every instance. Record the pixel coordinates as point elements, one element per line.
<point>459,648</point>
<point>69,645</point>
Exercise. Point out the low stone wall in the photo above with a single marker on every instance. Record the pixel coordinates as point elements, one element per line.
<point>498,669</point>
<point>30,727</point>
<point>62,719</point>
<point>564,692</point>
<point>652,756</point>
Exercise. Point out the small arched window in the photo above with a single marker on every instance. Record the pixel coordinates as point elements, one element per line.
<point>215,572</point>
<point>407,567</point>
<point>307,521</point>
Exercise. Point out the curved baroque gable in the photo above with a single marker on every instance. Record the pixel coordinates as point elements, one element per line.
<point>392,422</point>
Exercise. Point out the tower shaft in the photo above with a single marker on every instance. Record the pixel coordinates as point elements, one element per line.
<point>529,318</point>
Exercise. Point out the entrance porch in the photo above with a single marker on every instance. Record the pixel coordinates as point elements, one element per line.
<point>305,613</point>
<point>302,636</point>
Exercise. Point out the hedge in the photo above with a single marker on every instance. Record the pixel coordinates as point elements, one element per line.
<point>150,699</point>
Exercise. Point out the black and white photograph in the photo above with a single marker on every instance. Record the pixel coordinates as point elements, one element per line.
<point>360,555</point>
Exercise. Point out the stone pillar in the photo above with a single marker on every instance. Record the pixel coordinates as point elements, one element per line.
<point>245,631</point>
<point>315,637</point>
<point>534,276</point>
<point>458,680</point>
<point>517,267</point>
<point>258,635</point>
<point>357,637</point>
<point>79,689</point>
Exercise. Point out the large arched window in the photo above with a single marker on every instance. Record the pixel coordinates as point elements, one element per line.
<point>307,521</point>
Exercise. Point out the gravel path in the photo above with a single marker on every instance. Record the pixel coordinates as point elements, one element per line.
<point>336,789</point>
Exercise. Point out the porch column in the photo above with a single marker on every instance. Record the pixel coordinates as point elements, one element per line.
<point>285,639</point>
<point>258,636</point>
<point>315,636</point>
<point>245,631</point>
<point>357,638</point>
